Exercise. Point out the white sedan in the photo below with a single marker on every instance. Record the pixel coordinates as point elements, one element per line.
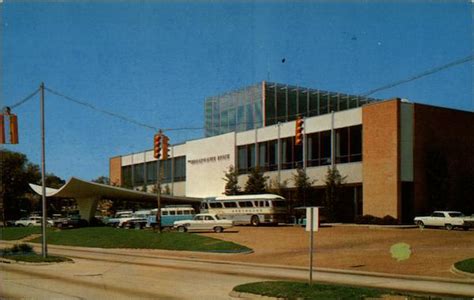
<point>203,222</point>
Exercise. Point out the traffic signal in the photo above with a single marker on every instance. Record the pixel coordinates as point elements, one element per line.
<point>299,131</point>
<point>165,147</point>
<point>10,121</point>
<point>13,129</point>
<point>157,146</point>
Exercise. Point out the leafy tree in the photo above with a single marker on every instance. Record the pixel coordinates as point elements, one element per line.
<point>303,185</point>
<point>334,182</point>
<point>102,179</point>
<point>17,173</point>
<point>232,181</point>
<point>255,182</point>
<point>276,187</point>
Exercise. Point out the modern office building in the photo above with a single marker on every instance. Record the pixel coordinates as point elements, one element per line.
<point>398,158</point>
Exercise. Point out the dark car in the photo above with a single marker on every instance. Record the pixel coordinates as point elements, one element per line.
<point>72,221</point>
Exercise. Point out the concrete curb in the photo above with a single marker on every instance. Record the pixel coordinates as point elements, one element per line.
<point>459,272</point>
<point>12,261</point>
<point>242,295</point>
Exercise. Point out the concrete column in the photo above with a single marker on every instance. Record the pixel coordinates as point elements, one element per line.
<point>87,207</point>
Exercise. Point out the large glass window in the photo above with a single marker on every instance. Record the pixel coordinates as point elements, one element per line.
<point>127,176</point>
<point>151,172</point>
<point>242,159</point>
<point>287,153</point>
<point>355,143</point>
<point>281,105</point>
<point>180,168</point>
<point>303,103</point>
<point>292,104</point>
<point>138,174</point>
<point>325,147</point>
<point>342,145</point>
<point>323,103</point>
<point>313,104</point>
<point>270,108</point>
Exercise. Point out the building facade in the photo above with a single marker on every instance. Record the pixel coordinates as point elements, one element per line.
<point>398,158</point>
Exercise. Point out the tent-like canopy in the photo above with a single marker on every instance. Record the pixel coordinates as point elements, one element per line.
<point>88,193</point>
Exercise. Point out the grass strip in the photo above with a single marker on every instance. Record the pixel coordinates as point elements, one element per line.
<point>24,252</point>
<point>16,233</point>
<point>35,258</point>
<point>466,265</point>
<point>301,290</point>
<point>108,237</point>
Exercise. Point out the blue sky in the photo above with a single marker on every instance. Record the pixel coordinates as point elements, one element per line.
<point>156,62</point>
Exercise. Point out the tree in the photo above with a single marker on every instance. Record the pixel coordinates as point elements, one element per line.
<point>255,182</point>
<point>303,185</point>
<point>17,173</point>
<point>276,187</point>
<point>102,180</point>
<point>232,181</point>
<point>334,182</point>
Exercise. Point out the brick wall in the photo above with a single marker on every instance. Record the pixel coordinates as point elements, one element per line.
<point>443,159</point>
<point>115,170</point>
<point>380,162</point>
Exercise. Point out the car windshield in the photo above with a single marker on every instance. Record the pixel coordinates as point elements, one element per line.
<point>455,214</point>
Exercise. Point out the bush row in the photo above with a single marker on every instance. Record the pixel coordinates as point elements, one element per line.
<point>369,219</point>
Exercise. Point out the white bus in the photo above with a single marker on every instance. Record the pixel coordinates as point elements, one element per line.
<point>248,209</point>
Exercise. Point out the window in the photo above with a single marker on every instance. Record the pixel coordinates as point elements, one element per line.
<point>180,168</point>
<point>292,104</point>
<point>230,204</point>
<point>313,104</point>
<point>281,105</point>
<point>342,145</point>
<point>172,213</point>
<point>215,205</point>
<point>325,147</point>
<point>303,103</point>
<point>208,218</point>
<point>127,176</point>
<point>179,212</point>
<point>246,204</point>
<point>151,172</point>
<point>279,203</point>
<point>355,143</point>
<point>164,213</point>
<point>270,109</point>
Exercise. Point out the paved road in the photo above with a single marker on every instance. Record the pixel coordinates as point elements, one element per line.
<point>120,274</point>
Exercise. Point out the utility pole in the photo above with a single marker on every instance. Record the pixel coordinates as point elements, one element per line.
<point>44,248</point>
<point>157,153</point>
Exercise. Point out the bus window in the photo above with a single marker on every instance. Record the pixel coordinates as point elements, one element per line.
<point>279,203</point>
<point>204,205</point>
<point>179,212</point>
<point>246,204</point>
<point>230,204</point>
<point>164,213</point>
<point>215,205</point>
<point>172,212</point>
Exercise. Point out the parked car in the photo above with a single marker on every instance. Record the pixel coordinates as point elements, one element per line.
<point>32,221</point>
<point>71,221</point>
<point>137,223</point>
<point>446,219</point>
<point>203,222</point>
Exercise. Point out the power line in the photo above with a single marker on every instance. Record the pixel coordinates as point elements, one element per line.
<point>24,100</point>
<point>418,76</point>
<point>88,105</point>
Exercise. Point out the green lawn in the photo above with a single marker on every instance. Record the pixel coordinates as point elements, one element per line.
<point>466,265</point>
<point>300,290</point>
<point>16,233</point>
<point>108,237</point>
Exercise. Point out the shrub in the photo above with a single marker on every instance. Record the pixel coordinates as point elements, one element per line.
<point>25,248</point>
<point>369,219</point>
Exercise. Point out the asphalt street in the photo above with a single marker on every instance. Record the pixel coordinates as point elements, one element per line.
<point>125,274</point>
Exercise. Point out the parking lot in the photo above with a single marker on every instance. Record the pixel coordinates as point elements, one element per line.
<point>433,251</point>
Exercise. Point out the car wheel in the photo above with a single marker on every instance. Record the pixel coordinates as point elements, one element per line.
<point>30,225</point>
<point>182,229</point>
<point>218,229</point>
<point>448,226</point>
<point>466,228</point>
<point>420,224</point>
<point>20,225</point>
<point>255,221</point>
